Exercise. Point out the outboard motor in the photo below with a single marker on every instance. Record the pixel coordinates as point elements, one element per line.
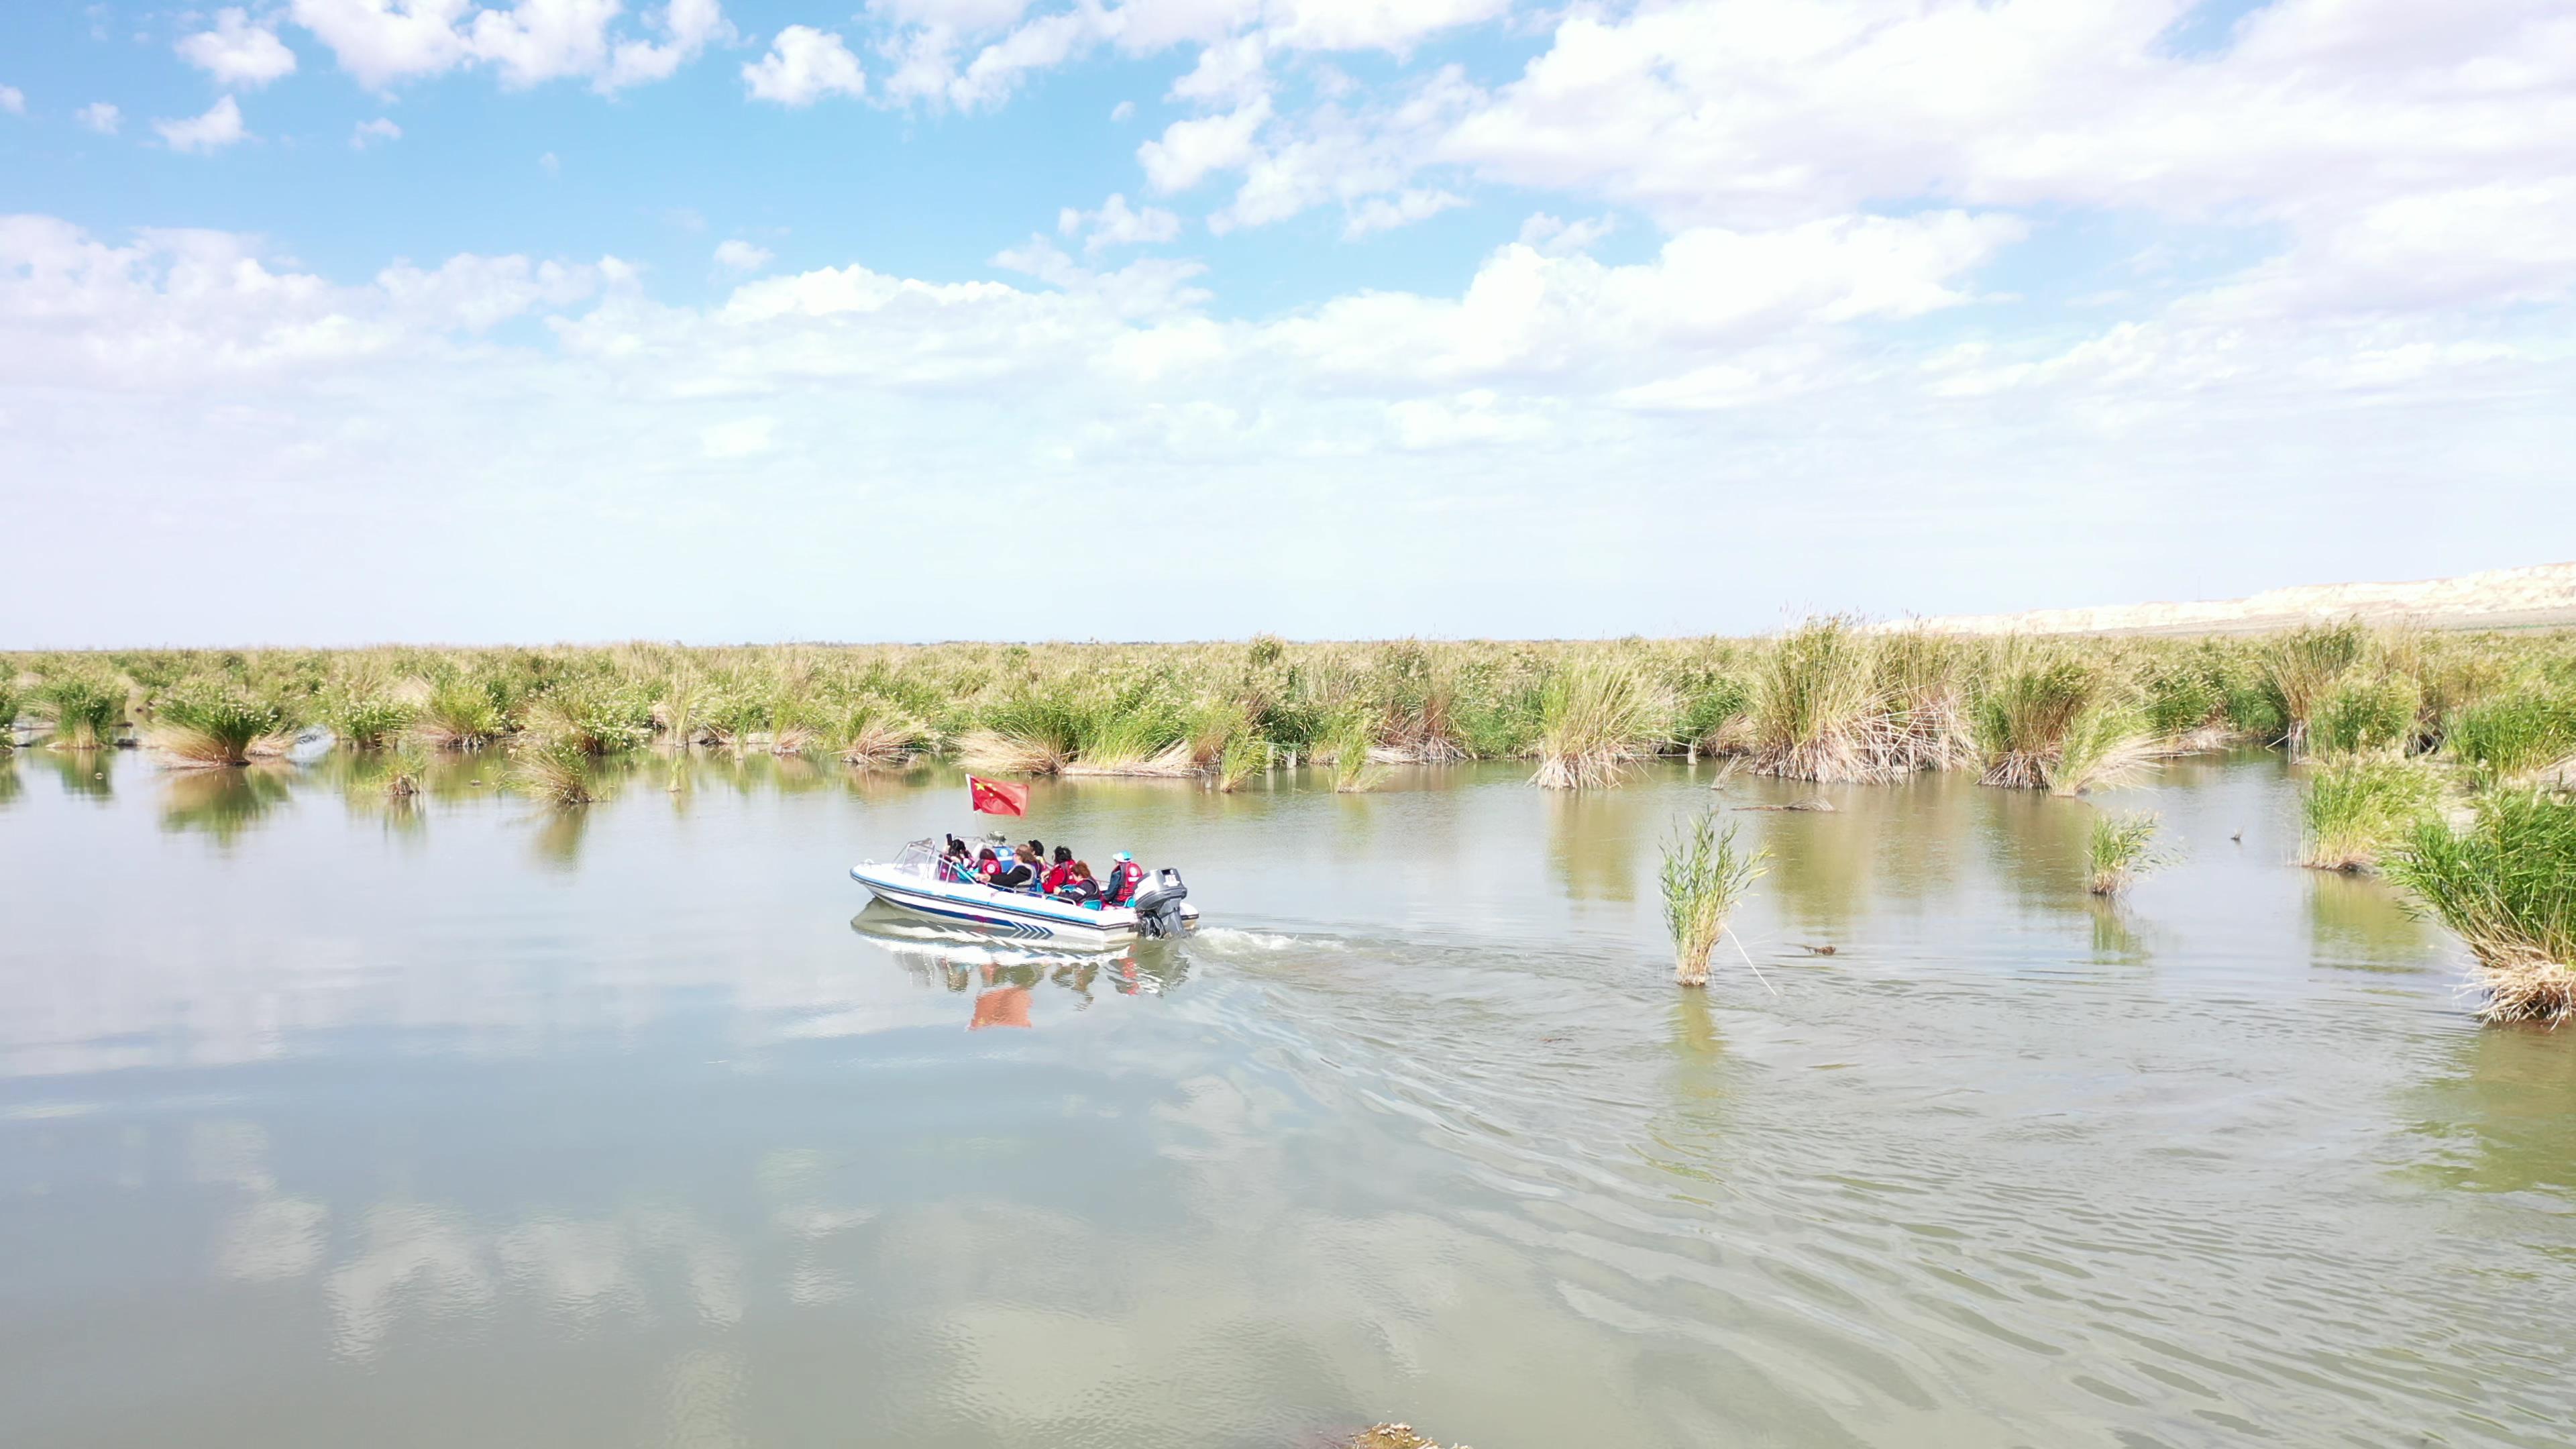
<point>1158,905</point>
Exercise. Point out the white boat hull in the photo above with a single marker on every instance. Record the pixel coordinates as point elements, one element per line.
<point>1015,914</point>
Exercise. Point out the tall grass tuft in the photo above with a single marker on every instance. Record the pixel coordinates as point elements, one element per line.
<point>1705,877</point>
<point>2510,736</point>
<point>2023,717</point>
<point>364,718</point>
<point>2118,852</point>
<point>461,713</point>
<point>1595,717</point>
<point>210,723</point>
<point>876,735</point>
<point>1815,711</point>
<point>2302,666</point>
<point>1354,772</point>
<point>2358,805</point>
<point>83,709</point>
<point>2365,715</point>
<point>556,771</point>
<point>2505,885</point>
<point>1030,735</point>
<point>2106,744</point>
<point>8,711</point>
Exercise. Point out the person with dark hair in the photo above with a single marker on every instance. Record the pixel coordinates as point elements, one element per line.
<point>1079,887</point>
<point>1060,872</point>
<point>986,865</point>
<point>1019,873</point>
<point>1125,879</point>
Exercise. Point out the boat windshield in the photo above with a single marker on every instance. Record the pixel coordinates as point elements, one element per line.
<point>920,857</point>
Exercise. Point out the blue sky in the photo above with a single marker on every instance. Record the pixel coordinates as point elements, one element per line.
<point>453,319</point>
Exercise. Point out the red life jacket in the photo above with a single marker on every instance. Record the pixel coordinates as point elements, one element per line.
<point>1056,876</point>
<point>1123,882</point>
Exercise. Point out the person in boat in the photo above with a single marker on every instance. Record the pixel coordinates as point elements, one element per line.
<point>1125,879</point>
<point>1079,888</point>
<point>987,865</point>
<point>1016,874</point>
<point>1060,872</point>
<point>955,863</point>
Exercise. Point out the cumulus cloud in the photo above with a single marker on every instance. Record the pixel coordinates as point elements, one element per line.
<point>370,132</point>
<point>237,52</point>
<point>736,255</point>
<point>803,66</point>
<point>101,117</point>
<point>529,42</point>
<point>219,127</point>
<point>1116,224</point>
<point>13,100</point>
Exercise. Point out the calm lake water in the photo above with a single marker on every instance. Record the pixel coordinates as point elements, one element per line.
<point>486,1125</point>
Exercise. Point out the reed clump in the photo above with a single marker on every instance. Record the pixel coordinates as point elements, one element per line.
<point>2358,805</point>
<point>2119,851</point>
<point>1596,716</point>
<point>1355,772</point>
<point>556,771</point>
<point>1815,711</point>
<point>211,724</point>
<point>2505,884</point>
<point>1706,875</point>
<point>83,709</point>
<point>2513,736</point>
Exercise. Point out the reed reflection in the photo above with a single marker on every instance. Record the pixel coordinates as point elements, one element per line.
<point>225,802</point>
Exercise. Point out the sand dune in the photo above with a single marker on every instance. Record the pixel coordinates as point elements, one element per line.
<point>2541,596</point>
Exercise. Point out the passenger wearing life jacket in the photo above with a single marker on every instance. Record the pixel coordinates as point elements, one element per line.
<point>986,865</point>
<point>1060,872</point>
<point>1079,888</point>
<point>1125,879</point>
<point>1018,873</point>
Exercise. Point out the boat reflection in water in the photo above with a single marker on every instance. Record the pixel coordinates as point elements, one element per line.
<point>1005,977</point>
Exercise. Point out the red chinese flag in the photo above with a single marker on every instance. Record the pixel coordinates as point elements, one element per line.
<point>992,797</point>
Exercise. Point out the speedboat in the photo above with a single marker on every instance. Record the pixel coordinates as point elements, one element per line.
<point>913,882</point>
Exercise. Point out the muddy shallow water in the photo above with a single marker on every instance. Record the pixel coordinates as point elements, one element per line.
<point>323,1122</point>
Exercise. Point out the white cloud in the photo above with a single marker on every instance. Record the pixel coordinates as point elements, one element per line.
<point>803,66</point>
<point>1558,237</point>
<point>1122,111</point>
<point>13,100</point>
<point>1383,213</point>
<point>550,164</point>
<point>736,255</point>
<point>529,42</point>
<point>688,28</point>
<point>99,116</point>
<point>1374,24</point>
<point>219,127</point>
<point>369,132</point>
<point>1118,224</point>
<point>238,53</point>
<point>1188,152</point>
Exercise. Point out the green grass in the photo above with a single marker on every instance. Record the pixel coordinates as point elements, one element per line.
<point>2506,886</point>
<point>2022,718</point>
<point>84,710</point>
<point>2119,851</point>
<point>555,771</point>
<point>2510,736</point>
<point>460,713</point>
<point>205,722</point>
<point>1354,772</point>
<point>363,717</point>
<point>2359,805</point>
<point>2365,715</point>
<point>1706,875</point>
<point>1595,717</point>
<point>2299,668</point>
<point>8,714</point>
<point>2109,741</point>
<point>1815,711</point>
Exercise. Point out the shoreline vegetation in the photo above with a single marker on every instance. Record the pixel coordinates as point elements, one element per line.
<point>2398,731</point>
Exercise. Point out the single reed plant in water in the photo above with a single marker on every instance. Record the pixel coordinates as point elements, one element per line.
<point>1354,772</point>
<point>1706,875</point>
<point>2119,851</point>
<point>364,718</point>
<point>875,735</point>
<point>2505,884</point>
<point>1595,717</point>
<point>554,771</point>
<point>1245,756</point>
<point>2359,805</point>
<point>204,723</point>
<point>83,709</point>
<point>1815,712</point>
